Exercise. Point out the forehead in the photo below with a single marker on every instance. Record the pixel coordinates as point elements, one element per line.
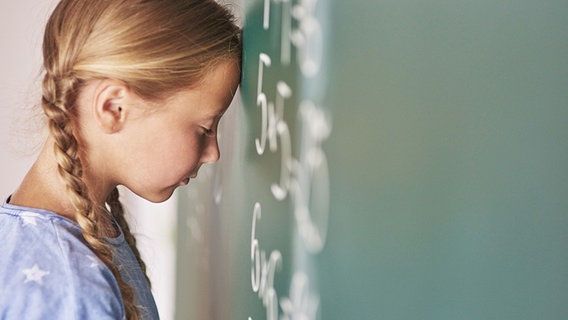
<point>212,96</point>
<point>221,83</point>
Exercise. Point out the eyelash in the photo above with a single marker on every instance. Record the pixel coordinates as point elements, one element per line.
<point>208,132</point>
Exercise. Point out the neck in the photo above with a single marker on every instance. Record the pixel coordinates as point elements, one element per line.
<point>43,188</point>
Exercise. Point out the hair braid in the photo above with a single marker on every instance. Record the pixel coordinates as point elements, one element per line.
<point>117,212</point>
<point>58,98</point>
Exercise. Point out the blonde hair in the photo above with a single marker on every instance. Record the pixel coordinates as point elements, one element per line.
<point>155,47</point>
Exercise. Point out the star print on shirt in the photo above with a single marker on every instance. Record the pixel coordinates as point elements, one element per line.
<point>29,220</point>
<point>94,261</point>
<point>34,274</point>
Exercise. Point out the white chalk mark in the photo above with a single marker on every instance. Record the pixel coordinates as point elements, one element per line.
<point>263,270</point>
<point>285,48</point>
<point>255,250</point>
<point>301,304</point>
<point>266,17</point>
<point>262,102</point>
<point>310,186</point>
<point>261,143</point>
<point>263,60</point>
<point>280,190</point>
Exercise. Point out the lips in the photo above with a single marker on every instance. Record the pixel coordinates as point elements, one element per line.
<point>186,180</point>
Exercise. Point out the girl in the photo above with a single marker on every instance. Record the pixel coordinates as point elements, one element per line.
<point>133,92</point>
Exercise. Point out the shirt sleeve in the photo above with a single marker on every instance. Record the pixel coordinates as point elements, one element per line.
<point>49,273</point>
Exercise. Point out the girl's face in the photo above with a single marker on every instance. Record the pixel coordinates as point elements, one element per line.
<point>165,147</point>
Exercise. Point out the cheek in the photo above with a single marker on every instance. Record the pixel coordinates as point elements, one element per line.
<point>187,149</point>
<point>166,153</point>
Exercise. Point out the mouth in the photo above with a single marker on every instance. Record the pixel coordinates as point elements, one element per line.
<point>184,182</point>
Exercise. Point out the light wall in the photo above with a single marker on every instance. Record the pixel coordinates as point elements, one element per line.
<point>21,26</point>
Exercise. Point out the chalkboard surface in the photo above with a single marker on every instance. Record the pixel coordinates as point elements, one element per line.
<point>388,159</point>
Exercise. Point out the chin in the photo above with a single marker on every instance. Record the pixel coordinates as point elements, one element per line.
<point>156,197</point>
<point>161,198</point>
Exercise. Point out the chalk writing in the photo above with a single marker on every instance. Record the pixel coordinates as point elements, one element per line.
<point>266,15</point>
<point>263,270</point>
<point>307,37</point>
<point>302,304</point>
<point>310,186</point>
<point>286,32</point>
<point>304,178</point>
<point>262,102</point>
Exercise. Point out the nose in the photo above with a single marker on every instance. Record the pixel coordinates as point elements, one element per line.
<point>211,152</point>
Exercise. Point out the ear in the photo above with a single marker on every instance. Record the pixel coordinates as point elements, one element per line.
<point>110,101</point>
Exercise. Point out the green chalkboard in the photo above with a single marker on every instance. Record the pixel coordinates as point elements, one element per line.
<point>388,159</point>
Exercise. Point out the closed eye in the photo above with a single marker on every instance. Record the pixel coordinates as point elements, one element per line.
<point>208,132</point>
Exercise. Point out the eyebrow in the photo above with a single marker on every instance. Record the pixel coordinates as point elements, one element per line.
<point>215,115</point>
<point>219,113</point>
<point>222,111</point>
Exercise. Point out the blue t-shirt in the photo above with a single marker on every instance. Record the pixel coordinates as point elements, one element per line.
<point>48,272</point>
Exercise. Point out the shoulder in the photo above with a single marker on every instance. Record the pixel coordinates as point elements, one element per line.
<point>47,269</point>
